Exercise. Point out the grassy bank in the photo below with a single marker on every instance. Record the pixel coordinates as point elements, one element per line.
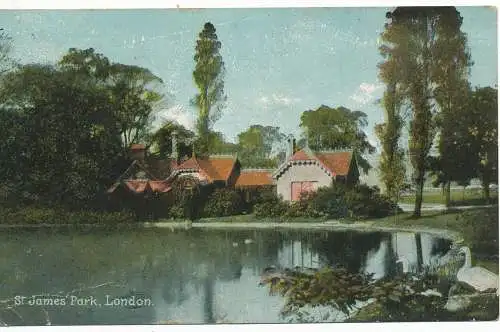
<point>458,197</point>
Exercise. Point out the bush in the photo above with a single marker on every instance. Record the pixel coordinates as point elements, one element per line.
<point>176,211</point>
<point>304,207</point>
<point>35,215</point>
<point>330,201</point>
<point>223,202</point>
<point>270,206</point>
<point>481,230</point>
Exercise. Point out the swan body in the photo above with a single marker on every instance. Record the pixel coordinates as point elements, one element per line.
<point>248,241</point>
<point>477,277</point>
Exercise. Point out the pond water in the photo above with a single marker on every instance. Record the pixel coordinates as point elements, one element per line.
<point>193,276</point>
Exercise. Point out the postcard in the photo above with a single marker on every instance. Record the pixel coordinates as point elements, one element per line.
<point>177,166</point>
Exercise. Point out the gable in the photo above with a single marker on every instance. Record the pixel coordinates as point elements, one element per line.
<point>304,170</point>
<point>337,162</point>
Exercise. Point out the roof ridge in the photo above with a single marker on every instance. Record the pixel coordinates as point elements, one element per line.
<point>257,169</point>
<point>221,156</point>
<point>334,150</point>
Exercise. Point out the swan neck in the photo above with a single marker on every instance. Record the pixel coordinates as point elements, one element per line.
<point>468,260</point>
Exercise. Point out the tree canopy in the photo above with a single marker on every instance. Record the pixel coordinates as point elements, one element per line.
<point>208,77</point>
<point>260,146</point>
<point>337,128</point>
<point>66,128</point>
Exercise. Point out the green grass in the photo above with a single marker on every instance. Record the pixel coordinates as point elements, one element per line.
<point>458,197</point>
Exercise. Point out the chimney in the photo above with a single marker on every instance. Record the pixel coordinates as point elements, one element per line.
<point>137,151</point>
<point>290,147</point>
<point>175,152</point>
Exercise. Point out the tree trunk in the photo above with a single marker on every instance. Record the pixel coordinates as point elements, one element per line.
<point>447,196</point>
<point>419,198</point>
<point>486,191</point>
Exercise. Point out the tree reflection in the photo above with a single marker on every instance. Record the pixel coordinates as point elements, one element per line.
<point>346,249</point>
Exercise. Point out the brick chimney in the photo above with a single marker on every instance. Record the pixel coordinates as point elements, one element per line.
<point>137,151</point>
<point>290,149</point>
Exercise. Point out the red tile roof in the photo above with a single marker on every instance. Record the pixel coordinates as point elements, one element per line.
<point>301,155</point>
<point>137,186</point>
<point>141,186</point>
<point>217,168</point>
<point>254,178</point>
<point>337,162</point>
<point>160,186</point>
<point>191,163</point>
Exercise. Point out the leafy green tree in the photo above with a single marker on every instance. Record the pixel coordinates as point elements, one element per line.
<point>450,74</point>
<point>162,140</point>
<point>259,146</point>
<point>60,158</point>
<point>132,91</point>
<point>392,168</point>
<point>483,128</point>
<point>218,144</point>
<point>337,128</point>
<point>416,41</point>
<point>66,127</point>
<point>209,79</point>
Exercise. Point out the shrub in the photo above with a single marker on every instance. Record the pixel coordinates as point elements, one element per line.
<point>176,211</point>
<point>272,208</point>
<point>34,215</point>
<point>304,207</point>
<point>223,202</point>
<point>330,201</point>
<point>481,229</point>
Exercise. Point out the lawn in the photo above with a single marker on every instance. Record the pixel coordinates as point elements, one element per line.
<point>458,197</point>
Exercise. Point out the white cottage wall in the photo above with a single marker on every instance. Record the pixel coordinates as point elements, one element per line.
<point>296,173</point>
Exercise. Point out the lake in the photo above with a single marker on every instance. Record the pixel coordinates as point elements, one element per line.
<point>151,276</point>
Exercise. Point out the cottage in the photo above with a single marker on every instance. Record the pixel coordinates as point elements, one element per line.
<point>302,171</point>
<point>305,170</point>
<point>146,174</point>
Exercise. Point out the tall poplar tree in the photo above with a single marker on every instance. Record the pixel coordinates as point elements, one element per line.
<point>450,76</point>
<point>415,41</point>
<point>209,79</point>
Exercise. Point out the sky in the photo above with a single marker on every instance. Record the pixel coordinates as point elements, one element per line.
<point>279,62</point>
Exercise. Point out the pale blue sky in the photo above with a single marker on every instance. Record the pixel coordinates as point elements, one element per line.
<point>279,62</point>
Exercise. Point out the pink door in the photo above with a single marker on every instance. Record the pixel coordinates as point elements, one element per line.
<point>296,190</point>
<point>299,187</point>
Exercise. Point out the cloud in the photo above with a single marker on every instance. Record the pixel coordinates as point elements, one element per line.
<point>366,93</point>
<point>176,113</point>
<point>278,100</point>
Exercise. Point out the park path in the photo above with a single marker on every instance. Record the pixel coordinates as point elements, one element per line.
<point>439,207</point>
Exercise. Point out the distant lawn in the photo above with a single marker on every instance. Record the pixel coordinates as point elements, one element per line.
<point>458,197</point>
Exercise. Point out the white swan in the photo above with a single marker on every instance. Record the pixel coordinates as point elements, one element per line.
<point>477,277</point>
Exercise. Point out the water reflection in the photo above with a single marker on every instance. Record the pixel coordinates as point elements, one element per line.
<point>190,276</point>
